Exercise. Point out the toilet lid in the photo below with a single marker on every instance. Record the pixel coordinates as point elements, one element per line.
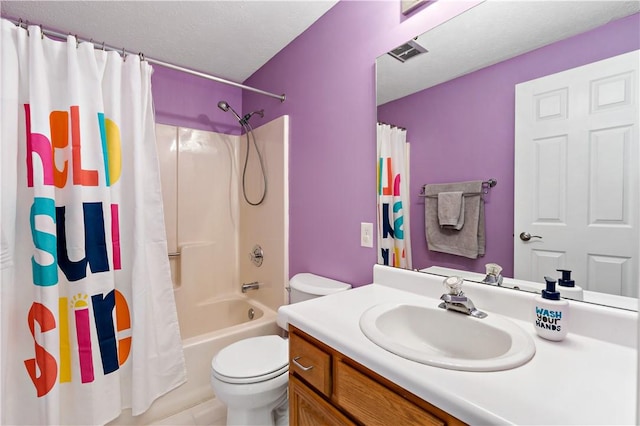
<point>252,360</point>
<point>317,285</point>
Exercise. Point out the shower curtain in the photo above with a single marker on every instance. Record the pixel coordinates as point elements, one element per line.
<point>394,244</point>
<point>89,324</point>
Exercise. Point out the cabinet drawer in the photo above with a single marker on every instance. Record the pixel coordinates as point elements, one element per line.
<point>371,403</point>
<point>310,363</point>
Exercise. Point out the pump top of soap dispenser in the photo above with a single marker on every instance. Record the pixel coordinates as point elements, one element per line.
<point>566,280</point>
<point>550,293</point>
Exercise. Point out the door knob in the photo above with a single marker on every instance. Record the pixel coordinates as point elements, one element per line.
<point>525,236</point>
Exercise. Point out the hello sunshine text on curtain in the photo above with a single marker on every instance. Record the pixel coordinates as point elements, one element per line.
<point>88,316</point>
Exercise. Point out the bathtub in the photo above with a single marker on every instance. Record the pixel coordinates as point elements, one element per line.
<point>210,327</point>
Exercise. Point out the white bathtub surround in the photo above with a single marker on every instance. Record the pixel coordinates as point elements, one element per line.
<point>213,229</point>
<point>588,378</point>
<point>200,197</point>
<point>268,223</point>
<point>208,222</point>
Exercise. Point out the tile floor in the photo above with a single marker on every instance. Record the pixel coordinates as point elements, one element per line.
<point>211,413</point>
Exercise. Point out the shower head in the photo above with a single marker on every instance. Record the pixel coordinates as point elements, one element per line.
<point>223,105</point>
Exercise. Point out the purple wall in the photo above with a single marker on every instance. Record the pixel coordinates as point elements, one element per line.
<point>328,75</point>
<point>463,130</point>
<point>185,100</point>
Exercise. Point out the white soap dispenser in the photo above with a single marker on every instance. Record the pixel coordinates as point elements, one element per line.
<point>568,287</point>
<point>551,319</point>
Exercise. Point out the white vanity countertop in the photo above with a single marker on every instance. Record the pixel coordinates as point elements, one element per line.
<point>581,380</point>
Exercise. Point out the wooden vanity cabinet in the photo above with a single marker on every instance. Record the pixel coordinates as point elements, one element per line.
<point>307,408</point>
<point>328,388</point>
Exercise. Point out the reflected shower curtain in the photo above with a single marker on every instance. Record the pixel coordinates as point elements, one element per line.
<point>89,324</point>
<point>394,244</point>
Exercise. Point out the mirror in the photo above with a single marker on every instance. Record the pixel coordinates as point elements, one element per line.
<point>463,126</point>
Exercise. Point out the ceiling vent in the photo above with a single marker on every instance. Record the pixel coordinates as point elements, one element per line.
<point>407,51</point>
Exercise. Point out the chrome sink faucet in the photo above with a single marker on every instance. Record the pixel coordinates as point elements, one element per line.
<point>493,275</point>
<point>455,299</point>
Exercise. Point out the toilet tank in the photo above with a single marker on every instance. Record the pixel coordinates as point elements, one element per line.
<point>307,286</point>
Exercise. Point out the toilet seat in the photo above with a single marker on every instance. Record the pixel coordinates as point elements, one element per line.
<point>252,360</point>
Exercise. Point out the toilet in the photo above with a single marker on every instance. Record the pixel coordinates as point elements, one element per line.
<point>251,376</point>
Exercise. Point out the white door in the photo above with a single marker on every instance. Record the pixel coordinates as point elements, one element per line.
<point>576,176</point>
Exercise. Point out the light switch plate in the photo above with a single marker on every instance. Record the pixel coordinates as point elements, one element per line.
<point>366,234</point>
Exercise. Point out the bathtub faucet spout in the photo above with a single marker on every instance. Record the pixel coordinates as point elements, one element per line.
<point>250,286</point>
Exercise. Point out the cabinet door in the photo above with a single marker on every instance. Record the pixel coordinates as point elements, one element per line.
<point>371,403</point>
<point>306,408</point>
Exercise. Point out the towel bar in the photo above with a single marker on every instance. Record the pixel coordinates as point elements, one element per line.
<point>486,185</point>
<point>464,194</point>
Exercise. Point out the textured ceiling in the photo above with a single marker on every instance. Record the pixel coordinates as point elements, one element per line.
<point>490,33</point>
<point>229,39</point>
<point>233,39</point>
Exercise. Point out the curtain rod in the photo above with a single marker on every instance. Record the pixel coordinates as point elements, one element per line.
<point>123,52</point>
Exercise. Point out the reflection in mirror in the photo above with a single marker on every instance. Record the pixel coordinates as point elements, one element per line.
<point>457,103</point>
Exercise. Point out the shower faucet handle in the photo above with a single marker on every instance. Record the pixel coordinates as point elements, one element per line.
<point>256,255</point>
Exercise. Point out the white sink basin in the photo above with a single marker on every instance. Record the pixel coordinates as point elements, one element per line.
<point>446,339</point>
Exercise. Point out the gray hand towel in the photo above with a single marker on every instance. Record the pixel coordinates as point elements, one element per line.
<point>468,241</point>
<point>451,210</point>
